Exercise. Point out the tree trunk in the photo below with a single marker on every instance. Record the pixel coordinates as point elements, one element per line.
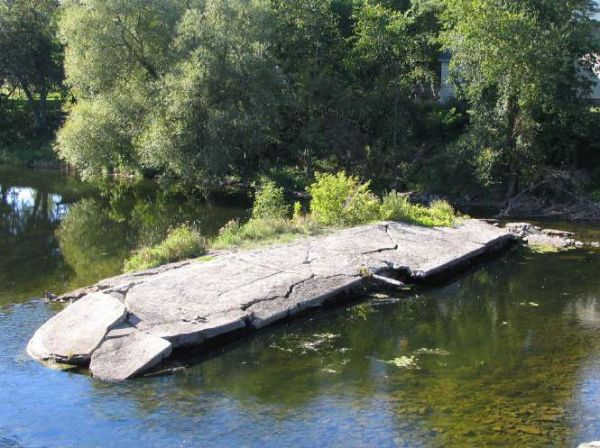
<point>40,108</point>
<point>512,118</point>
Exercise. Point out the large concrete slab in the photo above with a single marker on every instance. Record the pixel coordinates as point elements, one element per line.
<point>118,359</point>
<point>74,334</point>
<point>193,303</point>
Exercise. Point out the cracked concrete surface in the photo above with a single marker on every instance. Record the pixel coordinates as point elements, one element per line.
<point>190,303</point>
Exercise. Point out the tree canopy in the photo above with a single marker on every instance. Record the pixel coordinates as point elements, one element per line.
<point>208,91</point>
<point>30,53</point>
<point>518,65</point>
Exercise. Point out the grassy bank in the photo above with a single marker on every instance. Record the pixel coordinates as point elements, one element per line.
<point>337,201</point>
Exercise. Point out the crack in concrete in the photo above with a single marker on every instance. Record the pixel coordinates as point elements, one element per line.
<point>295,285</point>
<point>291,288</point>
<point>205,302</point>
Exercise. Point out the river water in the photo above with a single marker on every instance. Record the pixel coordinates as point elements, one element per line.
<point>506,355</point>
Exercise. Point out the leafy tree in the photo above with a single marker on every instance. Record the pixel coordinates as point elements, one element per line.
<point>306,41</point>
<point>183,88</point>
<point>516,63</point>
<point>393,61</point>
<point>30,54</point>
<point>219,106</point>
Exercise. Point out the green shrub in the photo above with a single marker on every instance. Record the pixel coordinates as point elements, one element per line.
<point>397,207</point>
<point>181,243</point>
<point>262,231</point>
<point>269,202</point>
<point>342,200</point>
<point>297,215</point>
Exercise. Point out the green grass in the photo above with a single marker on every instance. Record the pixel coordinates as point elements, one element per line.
<point>181,243</point>
<point>396,207</point>
<point>258,232</point>
<point>338,201</point>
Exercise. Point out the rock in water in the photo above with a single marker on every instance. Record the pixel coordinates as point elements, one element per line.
<point>121,358</point>
<point>240,291</point>
<point>73,334</point>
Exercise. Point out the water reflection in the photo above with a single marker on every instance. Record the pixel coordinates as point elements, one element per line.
<point>508,355</point>
<point>58,234</point>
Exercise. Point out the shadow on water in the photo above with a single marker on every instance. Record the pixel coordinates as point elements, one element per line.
<point>507,355</point>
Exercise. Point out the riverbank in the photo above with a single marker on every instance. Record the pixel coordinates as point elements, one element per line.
<point>137,322</point>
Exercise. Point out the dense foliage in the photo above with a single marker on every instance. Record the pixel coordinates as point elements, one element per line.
<point>342,200</point>
<point>337,200</point>
<point>209,92</point>
<point>520,67</point>
<point>30,79</point>
<point>181,243</point>
<point>270,203</point>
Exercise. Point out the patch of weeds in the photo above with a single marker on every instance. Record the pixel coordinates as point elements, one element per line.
<point>263,231</point>
<point>397,207</point>
<point>341,200</point>
<point>269,203</point>
<point>182,243</point>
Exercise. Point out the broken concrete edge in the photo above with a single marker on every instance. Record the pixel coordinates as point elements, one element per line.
<point>457,266</point>
<point>104,313</point>
<point>356,288</point>
<point>118,359</point>
<point>536,236</point>
<point>249,319</point>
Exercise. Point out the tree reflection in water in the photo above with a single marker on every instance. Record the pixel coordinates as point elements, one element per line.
<point>57,233</point>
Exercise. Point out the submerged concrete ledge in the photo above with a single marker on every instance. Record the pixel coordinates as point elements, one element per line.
<point>129,324</point>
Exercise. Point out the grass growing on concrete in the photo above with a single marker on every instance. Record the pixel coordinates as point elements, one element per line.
<point>397,207</point>
<point>270,222</point>
<point>337,201</point>
<point>182,242</point>
<point>258,232</point>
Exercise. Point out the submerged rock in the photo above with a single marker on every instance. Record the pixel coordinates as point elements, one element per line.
<point>75,333</point>
<point>546,240</point>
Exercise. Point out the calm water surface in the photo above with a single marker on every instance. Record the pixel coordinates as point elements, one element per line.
<point>508,355</point>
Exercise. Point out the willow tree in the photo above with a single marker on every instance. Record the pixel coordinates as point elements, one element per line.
<point>183,88</point>
<point>116,54</point>
<point>517,64</point>
<point>218,111</point>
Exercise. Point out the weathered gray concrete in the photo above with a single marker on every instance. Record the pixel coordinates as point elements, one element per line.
<point>120,358</point>
<point>543,239</point>
<point>75,333</point>
<point>193,303</point>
